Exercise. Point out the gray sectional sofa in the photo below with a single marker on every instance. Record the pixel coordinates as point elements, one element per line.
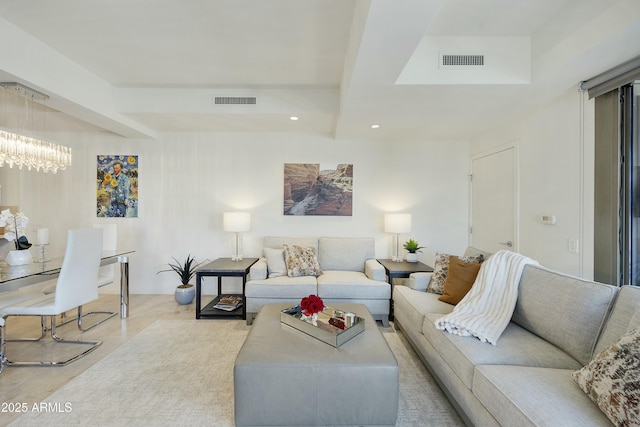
<point>350,274</point>
<point>559,324</point>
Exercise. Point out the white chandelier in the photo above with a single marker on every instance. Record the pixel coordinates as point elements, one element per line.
<point>23,151</point>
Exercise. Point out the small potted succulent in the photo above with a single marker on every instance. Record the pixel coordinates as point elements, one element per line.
<point>412,247</point>
<point>185,292</point>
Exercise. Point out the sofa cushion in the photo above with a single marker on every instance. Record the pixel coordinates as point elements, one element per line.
<point>566,311</point>
<point>533,396</point>
<point>345,253</point>
<point>278,242</point>
<point>475,252</point>
<point>275,262</point>
<point>459,280</point>
<point>281,287</point>
<point>517,346</point>
<point>351,284</point>
<point>301,261</point>
<point>624,317</point>
<point>416,304</point>
<point>612,380</point>
<point>441,268</point>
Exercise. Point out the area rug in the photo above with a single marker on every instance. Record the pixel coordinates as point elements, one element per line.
<point>180,373</point>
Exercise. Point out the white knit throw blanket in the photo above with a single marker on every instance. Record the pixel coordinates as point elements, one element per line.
<point>487,308</point>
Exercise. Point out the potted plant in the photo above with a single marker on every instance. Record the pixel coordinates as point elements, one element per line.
<point>185,292</point>
<point>412,247</point>
<point>14,226</point>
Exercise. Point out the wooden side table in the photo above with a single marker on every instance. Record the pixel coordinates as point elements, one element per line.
<point>400,270</point>
<point>222,267</point>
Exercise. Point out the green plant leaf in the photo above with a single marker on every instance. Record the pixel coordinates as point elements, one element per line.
<point>186,270</point>
<point>412,246</point>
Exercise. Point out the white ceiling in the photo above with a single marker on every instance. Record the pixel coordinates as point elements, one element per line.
<point>141,67</point>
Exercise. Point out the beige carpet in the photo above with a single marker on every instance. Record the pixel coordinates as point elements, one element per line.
<point>180,373</point>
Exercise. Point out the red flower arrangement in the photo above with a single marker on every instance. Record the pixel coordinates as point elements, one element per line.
<point>311,305</point>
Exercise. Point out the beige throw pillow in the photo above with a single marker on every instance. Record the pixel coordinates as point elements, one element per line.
<point>301,261</point>
<point>441,267</point>
<point>612,380</point>
<point>275,262</point>
<point>459,280</point>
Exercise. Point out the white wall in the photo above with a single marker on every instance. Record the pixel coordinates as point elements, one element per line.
<point>188,180</point>
<point>556,177</point>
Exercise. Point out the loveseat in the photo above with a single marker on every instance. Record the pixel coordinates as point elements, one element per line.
<point>560,324</point>
<point>348,273</point>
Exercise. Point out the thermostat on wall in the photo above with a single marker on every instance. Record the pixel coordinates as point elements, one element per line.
<point>548,219</point>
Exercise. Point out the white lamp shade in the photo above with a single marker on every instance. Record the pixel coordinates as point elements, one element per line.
<point>397,223</point>
<point>236,221</point>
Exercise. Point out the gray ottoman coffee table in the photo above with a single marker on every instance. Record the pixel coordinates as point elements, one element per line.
<point>283,377</point>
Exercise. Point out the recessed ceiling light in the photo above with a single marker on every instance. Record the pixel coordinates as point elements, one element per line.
<point>294,118</point>
<point>375,126</point>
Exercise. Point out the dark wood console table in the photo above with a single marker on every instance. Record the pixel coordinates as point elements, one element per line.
<point>399,270</point>
<point>222,267</point>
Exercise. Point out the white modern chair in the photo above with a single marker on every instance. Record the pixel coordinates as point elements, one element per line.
<point>106,276</point>
<point>76,285</point>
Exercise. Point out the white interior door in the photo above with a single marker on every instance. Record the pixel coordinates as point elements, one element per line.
<point>493,200</point>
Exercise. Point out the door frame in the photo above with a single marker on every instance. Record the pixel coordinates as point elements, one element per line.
<point>515,145</point>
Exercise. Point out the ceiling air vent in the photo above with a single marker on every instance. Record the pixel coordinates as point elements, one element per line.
<point>234,100</point>
<point>447,61</point>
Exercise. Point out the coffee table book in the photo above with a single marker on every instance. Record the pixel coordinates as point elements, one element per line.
<point>328,327</point>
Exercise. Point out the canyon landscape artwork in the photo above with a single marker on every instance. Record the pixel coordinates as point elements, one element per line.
<point>310,189</point>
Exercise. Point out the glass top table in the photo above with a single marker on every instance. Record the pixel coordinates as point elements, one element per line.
<point>16,276</point>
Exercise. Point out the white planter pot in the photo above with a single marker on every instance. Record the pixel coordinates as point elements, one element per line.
<point>412,257</point>
<point>19,257</point>
<point>185,296</point>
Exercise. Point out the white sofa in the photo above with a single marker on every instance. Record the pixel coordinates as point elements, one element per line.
<point>559,324</point>
<point>350,274</point>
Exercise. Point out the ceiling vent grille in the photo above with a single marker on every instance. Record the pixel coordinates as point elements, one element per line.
<point>234,100</point>
<point>462,60</point>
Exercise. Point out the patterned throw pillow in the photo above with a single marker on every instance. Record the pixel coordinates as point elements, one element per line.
<point>441,268</point>
<point>301,261</point>
<point>612,380</point>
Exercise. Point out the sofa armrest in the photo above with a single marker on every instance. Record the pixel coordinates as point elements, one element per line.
<point>420,281</point>
<point>258,271</point>
<point>374,270</point>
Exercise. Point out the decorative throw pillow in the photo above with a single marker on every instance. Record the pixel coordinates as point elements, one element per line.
<point>459,280</point>
<point>441,267</point>
<point>612,380</point>
<point>301,261</point>
<point>275,262</point>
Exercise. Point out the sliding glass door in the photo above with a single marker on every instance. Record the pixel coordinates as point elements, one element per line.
<point>617,186</point>
<point>630,130</point>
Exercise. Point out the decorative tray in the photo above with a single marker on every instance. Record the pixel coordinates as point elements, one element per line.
<point>331,326</point>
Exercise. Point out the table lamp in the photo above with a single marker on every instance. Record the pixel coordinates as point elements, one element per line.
<point>396,224</point>
<point>236,222</point>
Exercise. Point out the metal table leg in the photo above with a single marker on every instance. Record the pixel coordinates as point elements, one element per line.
<point>124,286</point>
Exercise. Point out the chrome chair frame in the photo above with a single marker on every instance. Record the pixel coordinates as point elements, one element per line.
<point>77,284</point>
<point>5,361</point>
